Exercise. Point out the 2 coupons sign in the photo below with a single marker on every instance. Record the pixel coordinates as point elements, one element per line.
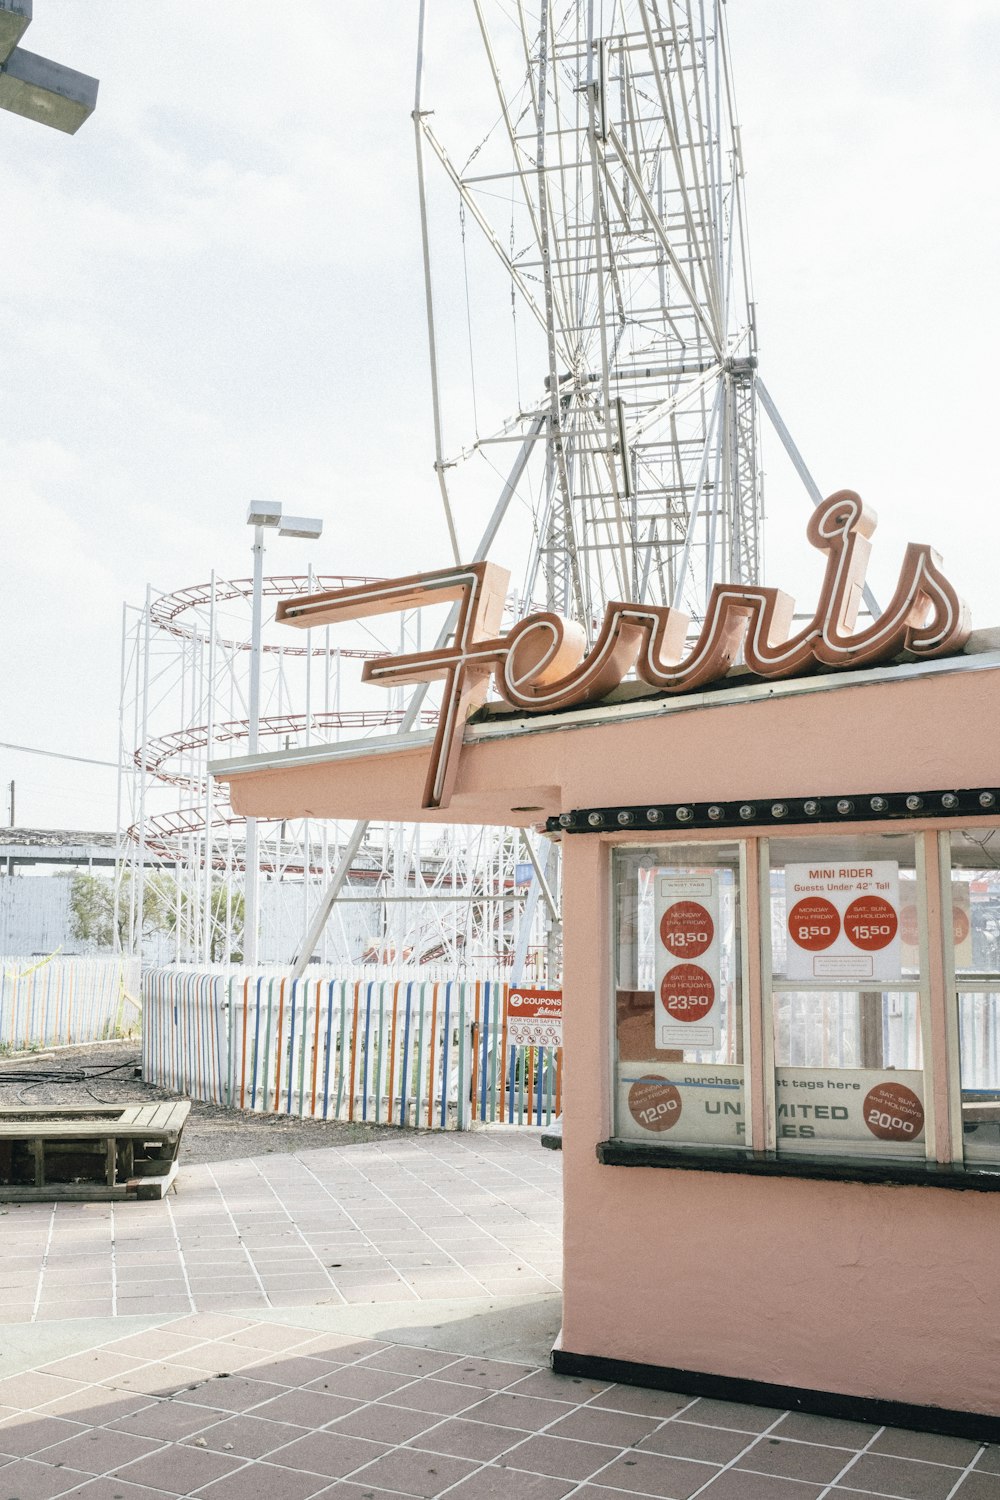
<point>534,1018</point>
<point>688,970</point>
<point>843,920</point>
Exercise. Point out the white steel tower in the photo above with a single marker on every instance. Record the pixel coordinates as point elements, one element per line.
<point>608,183</point>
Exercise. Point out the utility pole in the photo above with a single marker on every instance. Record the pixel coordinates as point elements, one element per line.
<point>261,515</point>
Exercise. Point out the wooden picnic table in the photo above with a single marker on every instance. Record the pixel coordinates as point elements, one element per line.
<point>79,1151</point>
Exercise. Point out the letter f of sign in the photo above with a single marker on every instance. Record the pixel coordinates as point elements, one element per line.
<point>463,657</point>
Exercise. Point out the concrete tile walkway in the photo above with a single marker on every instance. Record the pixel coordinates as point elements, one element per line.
<point>425,1217</point>
<point>346,1330</point>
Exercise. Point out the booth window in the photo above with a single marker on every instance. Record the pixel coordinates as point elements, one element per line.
<point>972,940</point>
<point>844,978</point>
<point>824,1048</point>
<point>679,995</point>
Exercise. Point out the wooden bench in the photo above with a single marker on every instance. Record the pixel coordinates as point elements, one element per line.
<point>77,1151</point>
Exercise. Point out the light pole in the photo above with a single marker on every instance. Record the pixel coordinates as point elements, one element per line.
<point>36,87</point>
<point>262,515</point>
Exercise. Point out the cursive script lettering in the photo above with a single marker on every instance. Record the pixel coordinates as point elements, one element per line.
<point>543,664</point>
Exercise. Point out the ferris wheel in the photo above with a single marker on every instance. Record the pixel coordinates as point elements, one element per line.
<point>607,184</point>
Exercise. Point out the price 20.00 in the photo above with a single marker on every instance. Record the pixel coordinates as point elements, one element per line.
<point>890,1122</point>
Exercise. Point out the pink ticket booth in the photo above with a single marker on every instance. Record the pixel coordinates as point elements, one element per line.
<point>781,924</point>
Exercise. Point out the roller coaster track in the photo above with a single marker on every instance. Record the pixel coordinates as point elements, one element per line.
<point>166,611</point>
<point>179,741</point>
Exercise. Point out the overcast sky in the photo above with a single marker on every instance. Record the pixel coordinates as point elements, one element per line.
<point>214,292</point>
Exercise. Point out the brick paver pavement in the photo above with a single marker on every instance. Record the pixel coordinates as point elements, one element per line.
<point>233,1389</point>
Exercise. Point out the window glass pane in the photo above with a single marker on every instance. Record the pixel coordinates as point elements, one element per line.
<point>978,1029</point>
<point>975,935</point>
<point>678,1004</point>
<point>845,936</point>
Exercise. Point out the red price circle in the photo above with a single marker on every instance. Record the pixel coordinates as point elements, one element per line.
<point>654,1104</point>
<point>893,1112</point>
<point>910,932</point>
<point>686,929</point>
<point>871,923</point>
<point>814,923</point>
<point>687,992</point>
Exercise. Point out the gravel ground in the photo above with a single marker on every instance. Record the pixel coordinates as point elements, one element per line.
<point>211,1133</point>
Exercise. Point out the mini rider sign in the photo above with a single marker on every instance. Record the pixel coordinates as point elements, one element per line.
<point>843,920</point>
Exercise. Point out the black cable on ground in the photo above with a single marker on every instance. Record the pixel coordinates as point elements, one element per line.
<point>57,1075</point>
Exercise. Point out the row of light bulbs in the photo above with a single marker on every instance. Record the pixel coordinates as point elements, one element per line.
<point>926,803</point>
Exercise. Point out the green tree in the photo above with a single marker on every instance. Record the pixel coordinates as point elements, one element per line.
<point>92,906</point>
<point>227,913</point>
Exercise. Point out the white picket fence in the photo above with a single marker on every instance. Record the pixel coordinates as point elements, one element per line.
<point>389,1049</point>
<point>66,1001</point>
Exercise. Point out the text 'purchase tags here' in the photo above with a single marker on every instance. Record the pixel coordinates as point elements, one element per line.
<point>688,961</point>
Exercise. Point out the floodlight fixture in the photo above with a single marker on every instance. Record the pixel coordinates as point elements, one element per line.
<point>302,526</point>
<point>35,87</point>
<point>15,18</point>
<point>47,92</point>
<point>264,513</point>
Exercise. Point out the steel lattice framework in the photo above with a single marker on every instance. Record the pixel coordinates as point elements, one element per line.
<point>598,160</point>
<point>615,157</point>
<point>406,895</point>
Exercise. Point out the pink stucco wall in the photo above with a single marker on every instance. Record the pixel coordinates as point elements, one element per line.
<point>874,1291</point>
<point>899,734</point>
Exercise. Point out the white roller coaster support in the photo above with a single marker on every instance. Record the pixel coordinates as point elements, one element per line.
<point>251,859</point>
<point>535,890</point>
<point>206,937</point>
<point>329,896</point>
<point>799,464</point>
<point>439,464</point>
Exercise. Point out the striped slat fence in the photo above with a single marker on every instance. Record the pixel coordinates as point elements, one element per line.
<point>61,1002</point>
<point>393,1050</point>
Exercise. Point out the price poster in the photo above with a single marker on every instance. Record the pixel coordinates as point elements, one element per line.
<point>702,1104</point>
<point>851,1104</point>
<point>961,923</point>
<point>687,970</point>
<point>843,920</point>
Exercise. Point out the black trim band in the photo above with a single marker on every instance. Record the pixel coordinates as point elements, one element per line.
<point>968,1424</point>
<point>828,1169</point>
<point>772,812</point>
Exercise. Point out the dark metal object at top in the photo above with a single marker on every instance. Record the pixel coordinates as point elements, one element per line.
<point>36,87</point>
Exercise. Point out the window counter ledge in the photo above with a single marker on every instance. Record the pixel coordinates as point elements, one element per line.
<point>830,1169</point>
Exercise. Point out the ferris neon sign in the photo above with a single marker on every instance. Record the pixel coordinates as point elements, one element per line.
<point>543,663</point>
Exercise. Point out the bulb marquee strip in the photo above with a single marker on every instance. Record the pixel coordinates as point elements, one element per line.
<point>769,812</point>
